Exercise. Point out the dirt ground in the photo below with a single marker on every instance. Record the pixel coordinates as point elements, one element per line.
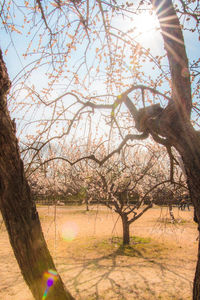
<point>159,263</point>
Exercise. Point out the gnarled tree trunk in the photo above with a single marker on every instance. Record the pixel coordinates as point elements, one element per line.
<point>174,123</point>
<point>18,208</point>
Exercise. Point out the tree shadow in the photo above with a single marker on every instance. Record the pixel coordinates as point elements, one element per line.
<point>127,273</point>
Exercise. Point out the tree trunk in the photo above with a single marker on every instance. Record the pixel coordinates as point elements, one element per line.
<point>171,213</point>
<point>19,210</point>
<point>196,285</point>
<point>192,166</point>
<point>126,229</point>
<point>87,204</point>
<point>174,123</point>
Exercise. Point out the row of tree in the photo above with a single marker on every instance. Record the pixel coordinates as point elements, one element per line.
<point>129,183</point>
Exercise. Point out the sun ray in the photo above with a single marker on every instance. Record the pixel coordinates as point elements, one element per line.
<point>159,8</point>
<point>161,13</point>
<point>170,25</point>
<point>172,37</point>
<point>175,55</point>
<point>167,19</point>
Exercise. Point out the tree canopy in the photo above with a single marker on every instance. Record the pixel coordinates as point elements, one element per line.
<point>72,57</point>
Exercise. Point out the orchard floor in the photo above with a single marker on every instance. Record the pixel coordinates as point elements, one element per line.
<point>159,263</point>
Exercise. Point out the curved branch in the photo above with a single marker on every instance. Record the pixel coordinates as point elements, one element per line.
<point>144,87</point>
<point>127,138</point>
<point>92,156</point>
<point>123,98</point>
<point>135,217</point>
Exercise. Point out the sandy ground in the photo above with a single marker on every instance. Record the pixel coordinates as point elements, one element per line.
<point>92,264</point>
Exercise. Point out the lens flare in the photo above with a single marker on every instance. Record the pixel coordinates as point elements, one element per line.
<point>69,231</point>
<point>51,276</point>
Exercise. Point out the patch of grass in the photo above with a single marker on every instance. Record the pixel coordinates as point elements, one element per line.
<point>92,212</point>
<point>139,247</point>
<point>82,211</point>
<point>140,240</point>
<point>133,240</point>
<point>176,222</point>
<point>46,218</point>
<point>40,205</point>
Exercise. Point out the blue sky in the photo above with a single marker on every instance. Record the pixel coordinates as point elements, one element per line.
<point>15,60</point>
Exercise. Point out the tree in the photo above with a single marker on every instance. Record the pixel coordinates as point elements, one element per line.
<point>127,183</point>
<point>18,208</point>
<point>120,185</point>
<point>174,122</point>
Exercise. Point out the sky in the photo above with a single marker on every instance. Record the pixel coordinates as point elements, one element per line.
<point>146,33</point>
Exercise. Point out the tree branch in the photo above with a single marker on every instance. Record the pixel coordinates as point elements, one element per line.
<point>140,214</point>
<point>43,16</point>
<point>91,157</point>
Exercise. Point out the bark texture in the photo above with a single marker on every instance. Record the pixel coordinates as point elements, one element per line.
<point>18,208</point>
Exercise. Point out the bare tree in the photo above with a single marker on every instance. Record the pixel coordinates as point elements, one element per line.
<point>127,183</point>
<point>121,187</point>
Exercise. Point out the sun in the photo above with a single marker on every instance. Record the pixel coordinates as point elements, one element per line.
<point>146,24</point>
<point>142,27</point>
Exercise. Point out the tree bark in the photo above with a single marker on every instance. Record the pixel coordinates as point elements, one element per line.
<point>196,285</point>
<point>192,167</point>
<point>19,210</point>
<point>126,229</point>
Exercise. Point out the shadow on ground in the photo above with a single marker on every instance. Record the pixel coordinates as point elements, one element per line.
<point>141,271</point>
